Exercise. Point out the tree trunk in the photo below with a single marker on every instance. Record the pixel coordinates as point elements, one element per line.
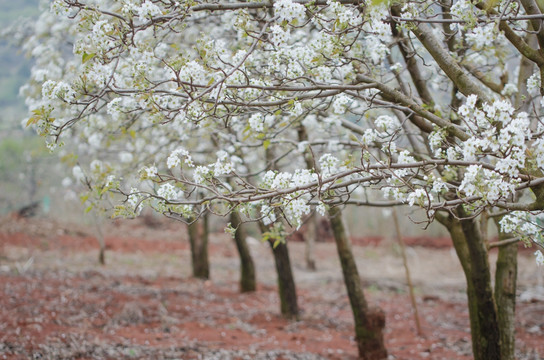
<point>472,253</point>
<point>489,336</point>
<point>101,240</point>
<point>309,240</point>
<point>369,323</point>
<point>286,282</point>
<point>198,238</point>
<point>505,295</point>
<point>102,256</point>
<point>247,267</point>
<point>460,245</point>
<point>311,234</point>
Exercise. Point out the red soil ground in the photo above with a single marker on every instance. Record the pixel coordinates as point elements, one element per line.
<point>56,303</point>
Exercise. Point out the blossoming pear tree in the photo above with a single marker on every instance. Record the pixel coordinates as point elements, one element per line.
<point>430,104</point>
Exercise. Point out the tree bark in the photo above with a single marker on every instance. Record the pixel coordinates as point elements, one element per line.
<point>309,241</point>
<point>408,54</point>
<point>447,63</point>
<point>311,234</point>
<point>526,69</point>
<point>460,244</point>
<point>247,267</point>
<point>286,282</point>
<point>505,294</point>
<point>489,335</point>
<point>101,240</point>
<point>472,253</point>
<point>198,238</point>
<point>369,323</point>
<point>102,256</point>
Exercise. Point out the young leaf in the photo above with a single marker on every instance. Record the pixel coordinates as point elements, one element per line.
<point>86,57</point>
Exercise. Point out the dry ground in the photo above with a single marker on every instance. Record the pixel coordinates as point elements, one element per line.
<point>57,303</point>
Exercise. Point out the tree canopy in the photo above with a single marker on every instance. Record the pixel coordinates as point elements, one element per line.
<point>193,106</point>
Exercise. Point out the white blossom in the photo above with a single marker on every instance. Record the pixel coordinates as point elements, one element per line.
<point>539,258</point>
<point>328,164</point>
<point>149,171</point>
<point>386,124</point>
<point>340,103</point>
<point>169,192</point>
<point>78,173</point>
<point>419,196</point>
<point>200,174</point>
<point>289,11</point>
<point>268,215</point>
<point>533,83</point>
<point>174,159</point>
<point>147,10</point>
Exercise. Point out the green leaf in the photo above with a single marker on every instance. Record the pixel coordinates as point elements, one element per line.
<point>31,121</point>
<point>84,198</point>
<point>86,57</point>
<point>266,144</point>
<point>89,208</point>
<point>276,243</point>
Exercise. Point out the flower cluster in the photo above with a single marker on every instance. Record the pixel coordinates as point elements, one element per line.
<point>169,192</point>
<point>487,184</point>
<point>528,227</point>
<point>175,161</point>
<point>287,10</point>
<point>58,90</point>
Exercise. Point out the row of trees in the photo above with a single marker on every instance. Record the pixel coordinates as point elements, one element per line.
<point>272,111</point>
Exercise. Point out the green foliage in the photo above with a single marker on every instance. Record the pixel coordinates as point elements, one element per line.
<point>276,234</point>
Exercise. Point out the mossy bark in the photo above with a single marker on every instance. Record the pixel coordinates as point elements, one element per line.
<point>472,253</point>
<point>369,323</point>
<point>526,69</point>
<point>489,335</point>
<point>248,282</point>
<point>286,282</point>
<point>505,295</point>
<point>198,238</point>
<point>460,246</point>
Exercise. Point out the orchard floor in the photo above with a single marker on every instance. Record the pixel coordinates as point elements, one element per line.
<point>56,302</point>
